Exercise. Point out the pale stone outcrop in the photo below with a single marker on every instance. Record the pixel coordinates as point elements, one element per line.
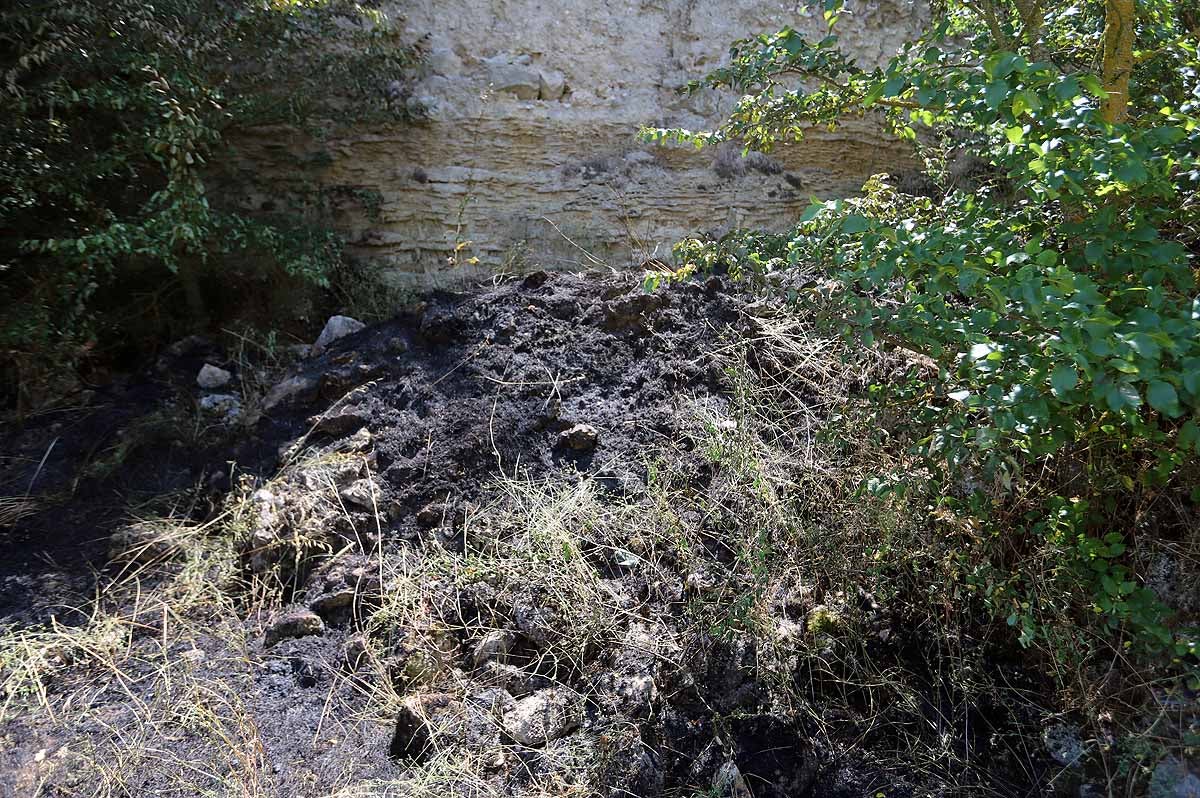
<point>530,152</point>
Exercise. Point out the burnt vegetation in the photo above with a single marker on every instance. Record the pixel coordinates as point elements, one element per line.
<point>901,501</point>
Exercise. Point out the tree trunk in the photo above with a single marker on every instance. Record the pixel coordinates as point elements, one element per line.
<point>1118,59</point>
<point>193,296</point>
<point>1032,16</point>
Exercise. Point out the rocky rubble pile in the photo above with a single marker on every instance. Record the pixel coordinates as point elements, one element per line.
<point>516,543</point>
<point>475,483</point>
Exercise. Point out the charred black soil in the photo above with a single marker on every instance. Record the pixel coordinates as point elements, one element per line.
<point>504,544</point>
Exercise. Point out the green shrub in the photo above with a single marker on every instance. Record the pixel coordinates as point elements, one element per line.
<point>115,115</point>
<point>1050,313</point>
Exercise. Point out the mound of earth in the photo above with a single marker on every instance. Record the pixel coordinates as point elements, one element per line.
<point>485,548</point>
<point>565,375</point>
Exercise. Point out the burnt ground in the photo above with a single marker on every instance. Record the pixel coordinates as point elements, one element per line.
<point>491,546</point>
<point>82,470</point>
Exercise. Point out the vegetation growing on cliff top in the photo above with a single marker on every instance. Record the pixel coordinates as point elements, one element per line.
<point>114,116</point>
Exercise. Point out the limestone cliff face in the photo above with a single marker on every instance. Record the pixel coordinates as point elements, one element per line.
<point>530,153</point>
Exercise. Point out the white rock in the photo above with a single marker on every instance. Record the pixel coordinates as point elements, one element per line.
<point>297,622</point>
<point>362,493</point>
<point>493,646</point>
<point>263,496</point>
<point>337,327</point>
<point>728,782</point>
<point>551,85</point>
<point>638,691</point>
<point>268,505</point>
<point>360,441</point>
<point>212,377</point>
<point>541,717</point>
<point>508,75</point>
<point>297,386</point>
<point>262,555</point>
<point>580,437</point>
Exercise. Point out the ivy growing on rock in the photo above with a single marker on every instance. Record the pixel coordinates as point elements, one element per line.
<point>1049,311</point>
<point>114,117</point>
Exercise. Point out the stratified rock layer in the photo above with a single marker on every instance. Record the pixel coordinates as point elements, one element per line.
<point>530,153</point>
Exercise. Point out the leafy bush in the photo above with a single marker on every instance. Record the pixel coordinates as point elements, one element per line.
<point>114,115</point>
<point>1050,313</point>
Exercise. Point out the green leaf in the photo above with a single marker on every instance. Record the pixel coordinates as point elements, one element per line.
<point>1122,396</point>
<point>811,211</point>
<point>1191,375</point>
<point>1067,88</point>
<point>981,351</point>
<point>1064,379</point>
<point>1189,437</point>
<point>1162,397</point>
<point>873,94</point>
<point>894,85</point>
<point>1145,346</point>
<point>1024,101</point>
<point>1168,134</point>
<point>1131,171</point>
<point>995,93</point>
<point>1092,85</point>
<point>1002,64</point>
<point>854,223</point>
<point>1014,134</point>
